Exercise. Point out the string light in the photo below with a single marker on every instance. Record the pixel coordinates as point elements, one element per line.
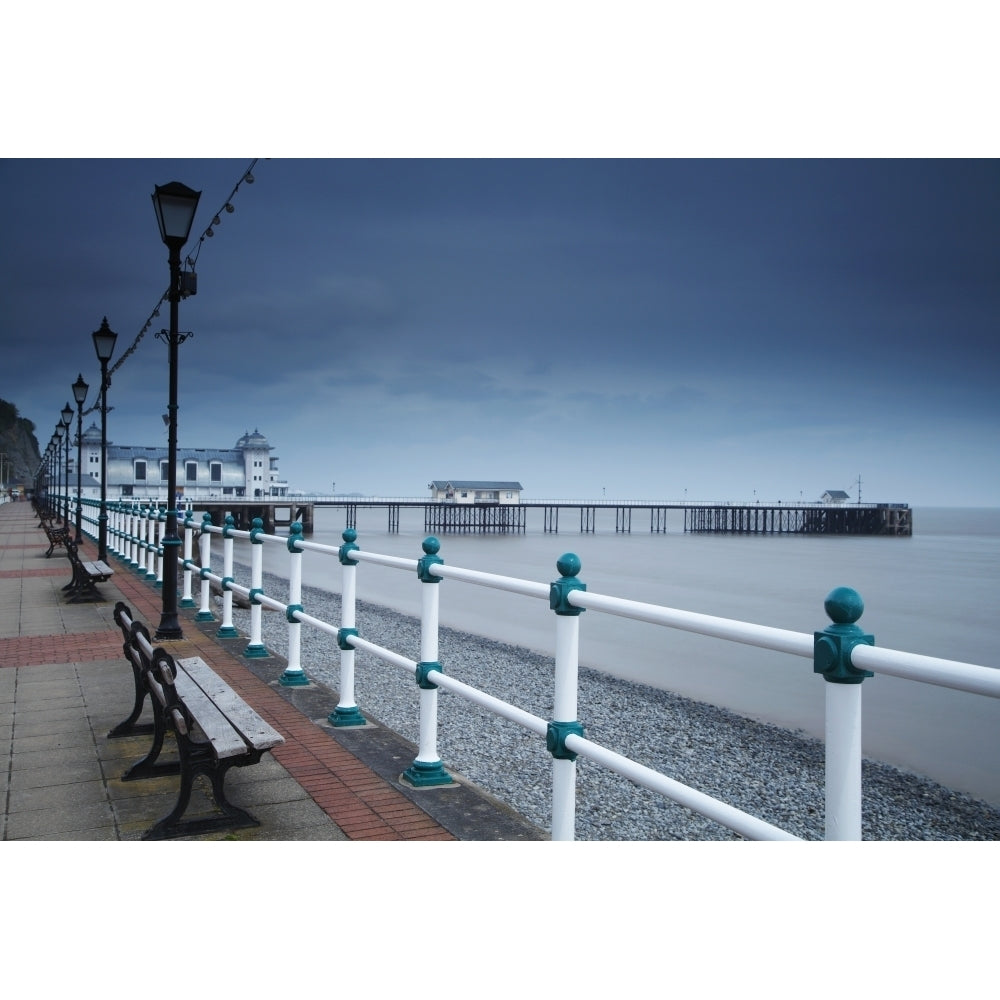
<point>227,206</point>
<point>190,262</point>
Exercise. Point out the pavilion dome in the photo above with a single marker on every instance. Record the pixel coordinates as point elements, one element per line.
<point>254,441</point>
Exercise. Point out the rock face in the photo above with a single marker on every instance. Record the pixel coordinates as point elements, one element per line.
<point>18,448</point>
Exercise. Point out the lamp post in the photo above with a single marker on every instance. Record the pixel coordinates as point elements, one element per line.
<point>57,437</point>
<point>104,344</point>
<point>67,422</point>
<point>79,394</point>
<point>48,477</point>
<point>175,205</point>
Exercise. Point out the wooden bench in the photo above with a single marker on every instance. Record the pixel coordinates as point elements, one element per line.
<point>214,728</point>
<point>56,536</point>
<point>86,575</point>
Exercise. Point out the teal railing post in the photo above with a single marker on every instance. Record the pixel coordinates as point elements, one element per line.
<point>832,658</point>
<point>205,557</point>
<point>347,712</point>
<point>427,769</point>
<point>564,704</point>
<point>187,598</point>
<point>256,648</point>
<point>293,675</point>
<point>227,630</point>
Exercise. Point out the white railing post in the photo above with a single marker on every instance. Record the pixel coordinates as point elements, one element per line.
<point>121,518</point>
<point>205,556</point>
<point>427,769</point>
<point>227,630</point>
<point>293,675</point>
<point>114,527</point>
<point>347,712</point>
<point>187,598</point>
<point>151,560</point>
<point>133,528</point>
<point>564,699</point>
<point>256,648</point>
<point>161,521</point>
<point>832,658</point>
<point>142,539</point>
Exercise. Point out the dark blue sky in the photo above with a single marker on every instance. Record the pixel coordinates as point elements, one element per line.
<point>719,328</point>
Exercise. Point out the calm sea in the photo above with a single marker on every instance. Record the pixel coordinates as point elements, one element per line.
<point>935,593</point>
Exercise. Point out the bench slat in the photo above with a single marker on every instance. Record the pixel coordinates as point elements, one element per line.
<point>253,728</point>
<point>98,570</point>
<point>225,740</point>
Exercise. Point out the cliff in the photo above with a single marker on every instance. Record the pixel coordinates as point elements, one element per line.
<point>18,448</point>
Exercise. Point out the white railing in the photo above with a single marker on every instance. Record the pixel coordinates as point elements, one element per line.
<point>841,653</point>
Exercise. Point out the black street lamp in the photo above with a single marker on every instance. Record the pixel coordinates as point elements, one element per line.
<point>104,344</point>
<point>175,206</point>
<point>79,394</point>
<point>53,488</point>
<point>57,437</point>
<point>67,421</point>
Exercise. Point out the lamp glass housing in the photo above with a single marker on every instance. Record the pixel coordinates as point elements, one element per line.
<point>80,390</point>
<point>67,415</point>
<point>175,205</point>
<point>104,341</point>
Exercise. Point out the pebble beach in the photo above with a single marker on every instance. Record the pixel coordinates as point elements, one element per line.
<point>774,773</point>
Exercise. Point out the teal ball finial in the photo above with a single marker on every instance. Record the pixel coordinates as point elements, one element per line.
<point>431,545</point>
<point>568,564</point>
<point>349,535</point>
<point>844,606</point>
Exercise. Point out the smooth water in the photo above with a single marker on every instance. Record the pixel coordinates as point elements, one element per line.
<point>935,593</point>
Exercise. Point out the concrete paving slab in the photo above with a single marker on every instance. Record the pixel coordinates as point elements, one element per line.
<point>45,777</point>
<point>35,823</point>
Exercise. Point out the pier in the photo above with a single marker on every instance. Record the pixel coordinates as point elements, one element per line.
<point>715,517</point>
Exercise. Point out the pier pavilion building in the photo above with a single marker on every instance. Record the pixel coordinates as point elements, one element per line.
<point>475,491</point>
<point>247,470</point>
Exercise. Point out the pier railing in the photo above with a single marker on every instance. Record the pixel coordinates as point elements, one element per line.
<point>841,653</point>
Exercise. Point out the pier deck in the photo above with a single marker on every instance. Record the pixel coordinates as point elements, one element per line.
<point>895,519</point>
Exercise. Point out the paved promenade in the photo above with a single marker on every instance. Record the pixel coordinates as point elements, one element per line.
<point>64,683</point>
